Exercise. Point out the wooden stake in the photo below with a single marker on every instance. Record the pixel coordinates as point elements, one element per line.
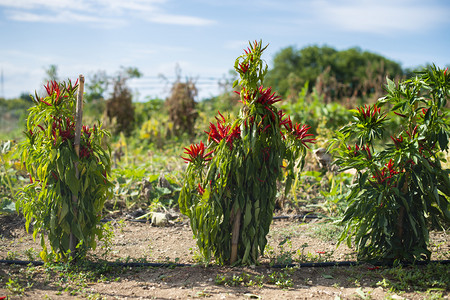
<point>73,241</point>
<point>235,235</point>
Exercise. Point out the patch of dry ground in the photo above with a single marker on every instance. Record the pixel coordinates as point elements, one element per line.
<point>289,241</point>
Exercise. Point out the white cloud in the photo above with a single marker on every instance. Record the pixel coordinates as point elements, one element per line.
<point>112,12</point>
<point>35,4</point>
<point>163,18</point>
<point>381,17</point>
<point>61,17</point>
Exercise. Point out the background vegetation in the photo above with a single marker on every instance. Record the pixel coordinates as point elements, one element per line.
<point>318,86</point>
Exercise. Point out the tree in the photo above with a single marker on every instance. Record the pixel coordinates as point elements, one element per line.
<point>51,73</point>
<point>346,73</point>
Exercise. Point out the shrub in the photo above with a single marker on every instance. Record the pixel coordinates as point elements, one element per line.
<point>401,191</point>
<point>231,182</point>
<point>67,190</point>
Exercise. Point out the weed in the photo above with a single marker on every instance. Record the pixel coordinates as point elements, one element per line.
<point>243,279</point>
<point>31,254</point>
<point>327,232</point>
<point>202,294</point>
<point>417,278</point>
<point>282,279</point>
<point>285,257</point>
<point>15,287</point>
<point>363,295</point>
<point>12,255</point>
<point>107,239</point>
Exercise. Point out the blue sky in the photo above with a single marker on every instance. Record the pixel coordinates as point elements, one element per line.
<point>203,37</point>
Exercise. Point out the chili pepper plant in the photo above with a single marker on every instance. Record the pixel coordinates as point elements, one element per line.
<point>230,186</point>
<point>57,174</point>
<point>401,191</point>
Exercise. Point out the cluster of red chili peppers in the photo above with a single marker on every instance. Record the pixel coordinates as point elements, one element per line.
<point>264,98</point>
<point>55,91</point>
<point>369,114</point>
<point>196,153</point>
<point>222,131</point>
<point>385,176</point>
<point>365,150</point>
<point>299,131</point>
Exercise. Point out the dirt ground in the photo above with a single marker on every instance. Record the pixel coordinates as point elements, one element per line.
<point>290,241</point>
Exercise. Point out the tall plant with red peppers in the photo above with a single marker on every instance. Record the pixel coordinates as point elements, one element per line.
<point>401,192</point>
<point>49,156</point>
<point>230,184</point>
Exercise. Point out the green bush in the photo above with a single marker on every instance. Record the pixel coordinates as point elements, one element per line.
<point>67,189</point>
<point>401,190</point>
<point>231,183</point>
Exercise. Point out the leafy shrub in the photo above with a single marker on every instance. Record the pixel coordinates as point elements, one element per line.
<point>231,183</point>
<point>67,189</point>
<point>401,191</point>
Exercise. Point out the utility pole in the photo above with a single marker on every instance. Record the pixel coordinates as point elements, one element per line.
<point>2,86</point>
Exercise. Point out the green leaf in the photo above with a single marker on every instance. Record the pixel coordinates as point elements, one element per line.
<point>443,139</point>
<point>72,181</point>
<point>248,214</point>
<point>64,211</point>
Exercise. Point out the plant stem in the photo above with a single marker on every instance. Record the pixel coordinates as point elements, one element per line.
<point>235,235</point>
<point>73,241</point>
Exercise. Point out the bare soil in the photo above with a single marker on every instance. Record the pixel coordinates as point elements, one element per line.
<point>290,241</point>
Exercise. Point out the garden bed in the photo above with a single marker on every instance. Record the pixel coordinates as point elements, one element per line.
<point>291,241</point>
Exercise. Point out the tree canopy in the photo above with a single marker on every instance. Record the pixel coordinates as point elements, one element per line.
<point>339,73</point>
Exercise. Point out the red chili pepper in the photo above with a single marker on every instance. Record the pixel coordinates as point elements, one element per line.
<point>54,175</point>
<point>368,152</point>
<point>200,189</point>
<point>45,102</point>
<point>399,114</point>
<point>271,111</point>
<point>265,128</point>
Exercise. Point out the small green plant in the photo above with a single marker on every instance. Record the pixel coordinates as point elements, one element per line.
<point>243,279</point>
<point>432,277</point>
<point>31,254</point>
<point>15,287</point>
<point>107,238</point>
<point>8,179</point>
<point>285,255</point>
<point>401,190</point>
<point>68,185</point>
<point>12,255</point>
<point>230,184</point>
<point>327,232</point>
<point>282,279</point>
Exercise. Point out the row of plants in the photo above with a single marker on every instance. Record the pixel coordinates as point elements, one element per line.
<point>401,191</point>
<point>231,182</point>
